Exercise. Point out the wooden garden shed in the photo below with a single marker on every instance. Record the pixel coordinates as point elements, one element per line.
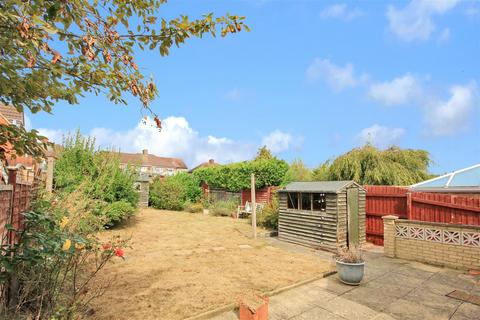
<point>323,214</point>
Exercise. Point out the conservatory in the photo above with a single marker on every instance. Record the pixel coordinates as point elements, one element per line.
<point>466,181</point>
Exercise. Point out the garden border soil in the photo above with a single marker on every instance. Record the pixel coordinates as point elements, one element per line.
<point>233,306</point>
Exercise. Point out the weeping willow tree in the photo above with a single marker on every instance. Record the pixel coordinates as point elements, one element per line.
<point>369,165</point>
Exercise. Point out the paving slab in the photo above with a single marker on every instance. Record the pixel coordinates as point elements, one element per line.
<point>467,311</point>
<point>349,309</point>
<point>391,289</point>
<point>408,310</point>
<point>318,313</point>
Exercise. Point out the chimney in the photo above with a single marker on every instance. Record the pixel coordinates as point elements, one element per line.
<point>145,156</point>
<point>211,161</point>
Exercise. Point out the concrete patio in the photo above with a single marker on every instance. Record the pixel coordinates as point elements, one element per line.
<point>391,289</point>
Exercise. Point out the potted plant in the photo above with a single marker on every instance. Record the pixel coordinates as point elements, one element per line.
<point>350,265</point>
<point>253,307</point>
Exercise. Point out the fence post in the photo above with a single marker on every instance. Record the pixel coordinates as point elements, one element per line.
<point>409,205</point>
<point>13,283</point>
<point>49,178</point>
<point>254,207</point>
<point>389,235</point>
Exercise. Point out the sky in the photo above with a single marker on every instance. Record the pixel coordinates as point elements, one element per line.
<point>312,80</point>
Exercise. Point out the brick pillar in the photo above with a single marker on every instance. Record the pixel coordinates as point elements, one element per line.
<point>389,235</point>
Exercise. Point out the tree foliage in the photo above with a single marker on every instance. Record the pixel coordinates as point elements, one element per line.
<point>54,51</point>
<point>236,176</point>
<point>264,154</point>
<point>369,165</point>
<point>298,171</point>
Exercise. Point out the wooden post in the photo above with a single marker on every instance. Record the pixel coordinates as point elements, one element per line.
<point>254,207</point>
<point>49,178</point>
<point>409,205</point>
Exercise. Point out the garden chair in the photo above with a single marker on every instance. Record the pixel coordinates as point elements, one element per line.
<point>246,210</point>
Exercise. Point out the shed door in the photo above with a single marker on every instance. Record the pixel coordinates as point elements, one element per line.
<point>352,204</point>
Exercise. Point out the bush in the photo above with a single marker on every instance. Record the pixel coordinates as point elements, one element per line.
<point>224,208</point>
<point>194,207</point>
<point>118,211</point>
<point>268,217</point>
<point>236,176</point>
<point>174,192</point>
<point>97,174</point>
<point>166,194</point>
<point>51,270</point>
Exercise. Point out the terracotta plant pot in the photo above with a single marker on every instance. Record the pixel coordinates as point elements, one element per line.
<point>254,311</point>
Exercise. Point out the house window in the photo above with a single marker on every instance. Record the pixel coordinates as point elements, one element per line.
<point>319,202</point>
<point>292,202</point>
<point>307,201</point>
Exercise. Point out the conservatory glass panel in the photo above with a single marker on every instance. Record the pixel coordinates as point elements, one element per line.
<point>469,178</point>
<point>435,183</point>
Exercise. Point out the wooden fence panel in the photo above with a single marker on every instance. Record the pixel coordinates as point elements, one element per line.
<point>382,201</point>
<point>446,208</point>
<point>420,206</point>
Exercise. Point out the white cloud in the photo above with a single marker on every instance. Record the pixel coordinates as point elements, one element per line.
<point>444,36</point>
<point>415,21</point>
<point>178,139</point>
<point>445,118</point>
<point>278,141</point>
<point>340,11</point>
<point>396,92</point>
<point>472,12</point>
<point>53,135</point>
<point>381,136</point>
<point>233,95</point>
<point>337,77</point>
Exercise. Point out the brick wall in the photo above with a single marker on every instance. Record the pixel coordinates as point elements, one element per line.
<point>456,246</point>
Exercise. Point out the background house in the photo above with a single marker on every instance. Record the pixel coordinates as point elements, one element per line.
<point>209,163</point>
<point>10,116</point>
<point>152,165</point>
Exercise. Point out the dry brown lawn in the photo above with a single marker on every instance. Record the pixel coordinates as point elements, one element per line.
<point>182,264</point>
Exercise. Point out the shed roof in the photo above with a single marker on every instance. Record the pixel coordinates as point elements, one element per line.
<point>467,179</point>
<point>318,186</point>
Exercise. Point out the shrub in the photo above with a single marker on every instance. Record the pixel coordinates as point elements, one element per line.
<point>50,272</point>
<point>194,207</point>
<point>97,174</point>
<point>236,176</point>
<point>173,193</point>
<point>224,208</point>
<point>118,211</point>
<point>268,217</point>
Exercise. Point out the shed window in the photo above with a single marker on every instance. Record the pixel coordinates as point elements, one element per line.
<point>306,201</point>
<point>319,202</point>
<point>292,200</point>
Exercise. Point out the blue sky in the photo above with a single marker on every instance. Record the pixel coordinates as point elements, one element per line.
<point>312,80</point>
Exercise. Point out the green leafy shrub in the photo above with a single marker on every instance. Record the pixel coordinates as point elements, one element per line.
<point>97,174</point>
<point>268,217</point>
<point>118,211</point>
<point>194,207</point>
<point>236,176</point>
<point>224,208</point>
<point>173,192</point>
<point>54,264</point>
<point>166,194</point>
